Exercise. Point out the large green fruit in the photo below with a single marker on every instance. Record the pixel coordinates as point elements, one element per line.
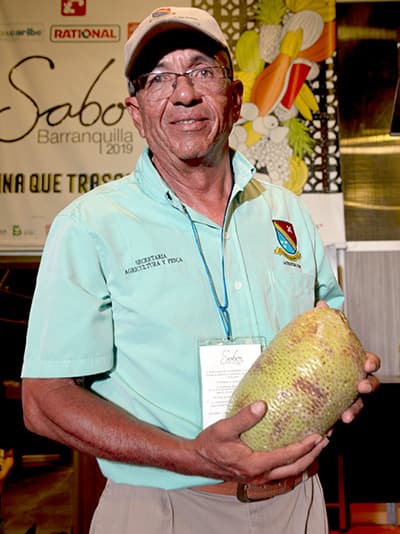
<point>307,375</point>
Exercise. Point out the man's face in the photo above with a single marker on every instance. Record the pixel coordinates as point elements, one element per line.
<point>188,125</point>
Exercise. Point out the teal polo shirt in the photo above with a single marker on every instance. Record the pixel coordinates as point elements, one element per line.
<point>122,290</point>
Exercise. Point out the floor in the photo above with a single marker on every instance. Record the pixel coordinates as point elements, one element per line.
<point>38,501</point>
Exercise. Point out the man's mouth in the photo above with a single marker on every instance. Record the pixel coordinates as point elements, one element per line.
<point>185,121</point>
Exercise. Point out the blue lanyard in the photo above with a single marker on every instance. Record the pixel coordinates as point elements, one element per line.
<point>222,308</point>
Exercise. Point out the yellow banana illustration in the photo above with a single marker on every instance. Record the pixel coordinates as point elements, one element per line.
<point>303,108</point>
<point>298,175</point>
<point>308,97</point>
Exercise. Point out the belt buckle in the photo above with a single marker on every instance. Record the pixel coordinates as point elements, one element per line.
<point>279,487</point>
<point>241,493</point>
<point>243,496</point>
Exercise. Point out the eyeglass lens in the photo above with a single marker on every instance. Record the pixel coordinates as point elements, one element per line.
<point>160,85</point>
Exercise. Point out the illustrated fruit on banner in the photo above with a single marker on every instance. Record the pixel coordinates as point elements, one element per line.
<point>277,61</point>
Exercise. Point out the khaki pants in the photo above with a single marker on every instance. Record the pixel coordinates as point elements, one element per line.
<point>127,509</point>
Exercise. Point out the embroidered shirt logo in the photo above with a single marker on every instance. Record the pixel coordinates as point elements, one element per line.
<point>287,239</point>
<point>151,262</point>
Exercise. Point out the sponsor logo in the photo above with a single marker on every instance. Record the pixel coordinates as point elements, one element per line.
<point>21,31</point>
<point>161,11</point>
<point>16,230</point>
<point>132,27</point>
<point>85,33</point>
<point>287,240</point>
<point>73,8</point>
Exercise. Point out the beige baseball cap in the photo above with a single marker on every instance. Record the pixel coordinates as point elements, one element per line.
<point>171,18</point>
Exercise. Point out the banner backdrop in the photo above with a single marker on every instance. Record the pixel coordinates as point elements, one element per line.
<point>64,129</point>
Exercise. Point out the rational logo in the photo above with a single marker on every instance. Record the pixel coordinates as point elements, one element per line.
<point>73,8</point>
<point>85,33</point>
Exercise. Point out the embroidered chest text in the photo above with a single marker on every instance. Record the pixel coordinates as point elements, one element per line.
<point>153,261</point>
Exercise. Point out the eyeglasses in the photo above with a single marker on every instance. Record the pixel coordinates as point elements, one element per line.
<point>160,85</point>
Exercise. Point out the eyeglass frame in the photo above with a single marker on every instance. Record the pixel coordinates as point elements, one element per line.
<point>136,85</point>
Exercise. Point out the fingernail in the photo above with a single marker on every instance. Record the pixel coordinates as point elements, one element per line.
<point>323,440</point>
<point>258,407</point>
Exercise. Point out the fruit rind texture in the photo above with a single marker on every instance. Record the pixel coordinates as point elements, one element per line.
<point>307,375</point>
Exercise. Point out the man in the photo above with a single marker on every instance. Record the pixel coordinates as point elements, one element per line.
<point>138,280</point>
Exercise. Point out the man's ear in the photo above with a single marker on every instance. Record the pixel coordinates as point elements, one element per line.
<point>237,94</point>
<point>132,107</point>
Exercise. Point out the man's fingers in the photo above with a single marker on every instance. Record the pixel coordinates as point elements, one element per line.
<point>245,418</point>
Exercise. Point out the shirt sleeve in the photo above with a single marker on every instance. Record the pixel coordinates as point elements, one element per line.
<point>70,329</point>
<point>327,287</point>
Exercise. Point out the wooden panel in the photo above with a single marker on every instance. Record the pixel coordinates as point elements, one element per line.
<point>88,486</point>
<point>372,289</point>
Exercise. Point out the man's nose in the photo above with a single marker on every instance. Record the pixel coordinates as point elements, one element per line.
<point>183,88</point>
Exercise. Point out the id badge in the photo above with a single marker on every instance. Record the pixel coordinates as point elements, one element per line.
<point>223,363</point>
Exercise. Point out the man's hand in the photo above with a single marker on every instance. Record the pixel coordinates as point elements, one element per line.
<point>220,448</point>
<point>368,385</point>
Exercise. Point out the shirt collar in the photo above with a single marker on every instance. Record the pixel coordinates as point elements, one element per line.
<point>151,183</point>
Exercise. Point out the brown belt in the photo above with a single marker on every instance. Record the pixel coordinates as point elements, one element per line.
<point>250,493</point>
